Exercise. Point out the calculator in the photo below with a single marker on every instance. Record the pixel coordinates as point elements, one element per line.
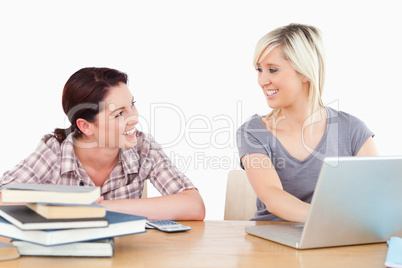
<point>167,226</point>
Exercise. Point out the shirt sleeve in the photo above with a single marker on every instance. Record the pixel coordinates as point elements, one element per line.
<point>164,175</point>
<point>36,168</point>
<point>248,139</point>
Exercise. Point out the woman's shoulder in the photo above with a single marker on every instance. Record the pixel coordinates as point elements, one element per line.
<point>47,154</point>
<point>253,133</point>
<point>39,166</point>
<point>253,123</point>
<point>342,117</point>
<point>49,144</point>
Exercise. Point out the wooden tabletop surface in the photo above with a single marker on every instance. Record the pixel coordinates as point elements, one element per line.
<point>213,244</point>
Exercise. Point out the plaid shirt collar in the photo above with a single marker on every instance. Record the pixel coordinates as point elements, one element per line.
<point>128,157</point>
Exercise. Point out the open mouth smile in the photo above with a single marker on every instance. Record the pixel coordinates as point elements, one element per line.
<point>129,133</point>
<point>271,92</point>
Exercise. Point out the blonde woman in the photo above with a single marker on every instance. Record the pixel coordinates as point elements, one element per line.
<point>282,152</point>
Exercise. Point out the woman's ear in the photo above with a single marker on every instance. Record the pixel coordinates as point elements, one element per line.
<point>305,79</point>
<point>84,126</point>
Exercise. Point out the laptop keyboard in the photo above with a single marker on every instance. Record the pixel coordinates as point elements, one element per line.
<point>295,233</point>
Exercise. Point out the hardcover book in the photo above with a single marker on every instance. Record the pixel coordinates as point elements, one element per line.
<point>27,219</point>
<point>46,193</point>
<point>94,248</point>
<point>119,224</point>
<point>68,211</point>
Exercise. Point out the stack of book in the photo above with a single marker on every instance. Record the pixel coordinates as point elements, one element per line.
<point>58,220</point>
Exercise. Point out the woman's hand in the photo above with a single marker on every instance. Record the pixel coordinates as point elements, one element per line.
<point>100,200</point>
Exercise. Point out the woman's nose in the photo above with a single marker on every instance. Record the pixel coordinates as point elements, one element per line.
<point>263,80</point>
<point>133,117</point>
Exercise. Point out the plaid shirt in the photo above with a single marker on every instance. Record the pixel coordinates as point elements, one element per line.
<point>55,163</point>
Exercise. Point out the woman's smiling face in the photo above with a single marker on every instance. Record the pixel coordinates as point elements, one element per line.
<point>115,124</point>
<point>281,84</point>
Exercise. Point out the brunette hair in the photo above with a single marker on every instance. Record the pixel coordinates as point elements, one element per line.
<point>83,92</point>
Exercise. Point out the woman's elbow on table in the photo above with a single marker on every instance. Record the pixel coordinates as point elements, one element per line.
<point>196,207</point>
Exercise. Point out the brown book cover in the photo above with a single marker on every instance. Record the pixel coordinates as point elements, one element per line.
<point>68,211</point>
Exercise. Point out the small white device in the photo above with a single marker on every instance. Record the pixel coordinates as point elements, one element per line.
<point>167,226</point>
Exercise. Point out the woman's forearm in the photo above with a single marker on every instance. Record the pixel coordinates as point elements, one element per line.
<point>187,205</point>
<point>285,205</point>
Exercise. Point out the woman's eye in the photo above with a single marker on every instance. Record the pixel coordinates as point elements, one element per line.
<point>119,114</point>
<point>133,103</point>
<point>271,70</point>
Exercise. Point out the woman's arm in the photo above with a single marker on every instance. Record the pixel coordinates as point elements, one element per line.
<point>187,205</point>
<point>266,183</point>
<point>368,148</point>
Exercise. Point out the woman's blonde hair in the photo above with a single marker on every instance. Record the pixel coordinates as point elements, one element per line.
<point>303,48</point>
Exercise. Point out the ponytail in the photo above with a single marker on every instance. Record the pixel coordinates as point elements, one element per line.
<point>61,133</point>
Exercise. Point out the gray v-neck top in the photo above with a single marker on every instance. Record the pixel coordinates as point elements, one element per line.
<point>344,135</point>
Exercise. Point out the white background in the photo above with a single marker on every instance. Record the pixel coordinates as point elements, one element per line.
<point>190,70</point>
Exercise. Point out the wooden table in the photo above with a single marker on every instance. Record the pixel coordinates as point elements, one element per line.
<point>213,244</point>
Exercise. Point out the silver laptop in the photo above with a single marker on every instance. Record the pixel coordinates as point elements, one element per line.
<point>357,200</point>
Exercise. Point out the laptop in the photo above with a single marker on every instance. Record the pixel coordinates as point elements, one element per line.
<point>357,200</point>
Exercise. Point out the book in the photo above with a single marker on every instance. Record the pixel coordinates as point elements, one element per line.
<point>46,193</point>
<point>68,211</point>
<point>8,252</point>
<point>94,248</point>
<point>27,219</point>
<point>119,224</point>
